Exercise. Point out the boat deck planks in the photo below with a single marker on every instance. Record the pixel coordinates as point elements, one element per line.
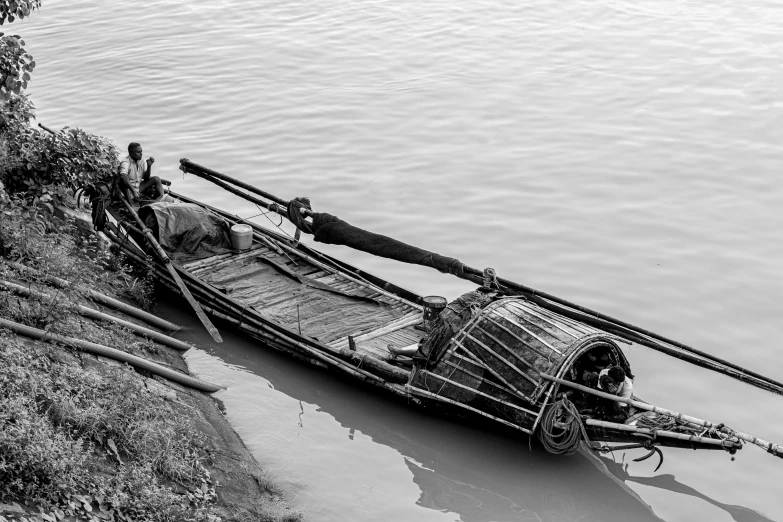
<point>324,315</point>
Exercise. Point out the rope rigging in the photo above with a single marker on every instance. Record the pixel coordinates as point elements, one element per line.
<point>561,428</point>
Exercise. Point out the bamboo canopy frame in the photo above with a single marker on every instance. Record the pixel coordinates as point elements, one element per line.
<point>597,319</point>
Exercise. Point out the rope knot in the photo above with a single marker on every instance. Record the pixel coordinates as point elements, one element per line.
<point>490,279</point>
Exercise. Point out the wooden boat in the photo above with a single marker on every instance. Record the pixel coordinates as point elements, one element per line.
<point>496,356</point>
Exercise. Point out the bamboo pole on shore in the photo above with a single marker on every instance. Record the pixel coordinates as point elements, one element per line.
<point>101,299</point>
<point>612,325</point>
<point>95,314</point>
<point>774,449</point>
<point>112,353</point>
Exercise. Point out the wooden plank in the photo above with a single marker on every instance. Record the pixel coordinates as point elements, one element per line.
<point>377,352</point>
<point>306,270</point>
<point>199,263</point>
<point>384,329</point>
<point>224,263</point>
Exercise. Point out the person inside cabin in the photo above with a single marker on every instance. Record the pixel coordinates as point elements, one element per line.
<point>614,380</point>
<point>135,176</point>
<point>591,365</point>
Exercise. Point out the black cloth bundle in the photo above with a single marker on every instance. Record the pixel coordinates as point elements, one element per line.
<point>334,231</point>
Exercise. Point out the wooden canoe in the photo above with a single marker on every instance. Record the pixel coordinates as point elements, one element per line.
<point>328,313</point>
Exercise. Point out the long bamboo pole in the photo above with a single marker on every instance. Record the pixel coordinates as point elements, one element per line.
<point>112,353</point>
<point>95,314</point>
<point>199,170</point>
<point>774,449</point>
<point>695,357</point>
<point>101,299</point>
<point>173,271</point>
<point>205,173</point>
<point>622,328</point>
<point>727,444</point>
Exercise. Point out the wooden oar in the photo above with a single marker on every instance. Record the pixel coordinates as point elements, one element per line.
<point>173,271</point>
<point>548,301</point>
<point>774,449</point>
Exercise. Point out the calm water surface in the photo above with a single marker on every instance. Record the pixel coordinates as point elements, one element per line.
<point>623,155</point>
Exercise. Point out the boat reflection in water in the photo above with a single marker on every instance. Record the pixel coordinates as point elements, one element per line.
<point>352,452</point>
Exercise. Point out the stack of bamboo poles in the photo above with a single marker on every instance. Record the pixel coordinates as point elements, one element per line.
<point>99,298</point>
<point>100,316</point>
<point>98,349</point>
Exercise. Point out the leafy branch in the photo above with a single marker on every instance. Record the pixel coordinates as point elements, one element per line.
<point>12,9</point>
<point>16,64</point>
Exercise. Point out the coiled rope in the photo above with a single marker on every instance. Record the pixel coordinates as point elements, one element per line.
<point>561,428</point>
<point>657,422</point>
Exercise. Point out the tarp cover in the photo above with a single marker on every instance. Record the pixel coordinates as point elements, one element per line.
<point>187,232</point>
<point>332,230</point>
<point>299,302</point>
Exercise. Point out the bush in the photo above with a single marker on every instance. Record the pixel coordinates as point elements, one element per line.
<point>40,163</point>
<point>55,420</point>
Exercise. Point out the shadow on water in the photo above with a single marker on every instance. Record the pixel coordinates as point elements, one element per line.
<point>670,483</point>
<point>478,473</point>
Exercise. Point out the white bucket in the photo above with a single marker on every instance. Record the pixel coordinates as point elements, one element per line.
<point>241,236</point>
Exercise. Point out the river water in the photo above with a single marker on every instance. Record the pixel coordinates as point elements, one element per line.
<point>622,155</point>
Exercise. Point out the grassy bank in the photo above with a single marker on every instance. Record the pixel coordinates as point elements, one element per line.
<point>87,438</point>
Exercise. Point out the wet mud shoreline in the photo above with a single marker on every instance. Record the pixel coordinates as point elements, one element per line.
<point>232,487</point>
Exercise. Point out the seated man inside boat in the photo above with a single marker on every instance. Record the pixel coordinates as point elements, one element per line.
<point>585,372</point>
<point>135,178</point>
<point>592,364</point>
<point>614,380</point>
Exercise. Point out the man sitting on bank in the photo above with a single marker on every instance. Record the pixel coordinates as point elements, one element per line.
<point>135,176</point>
<point>614,380</point>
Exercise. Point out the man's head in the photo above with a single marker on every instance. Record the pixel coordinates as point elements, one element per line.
<point>134,151</point>
<point>617,374</point>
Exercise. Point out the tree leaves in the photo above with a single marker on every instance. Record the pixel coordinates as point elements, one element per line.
<point>69,158</point>
<point>15,65</point>
<point>13,9</point>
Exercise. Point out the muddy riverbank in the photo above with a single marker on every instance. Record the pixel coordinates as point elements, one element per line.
<point>86,436</point>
